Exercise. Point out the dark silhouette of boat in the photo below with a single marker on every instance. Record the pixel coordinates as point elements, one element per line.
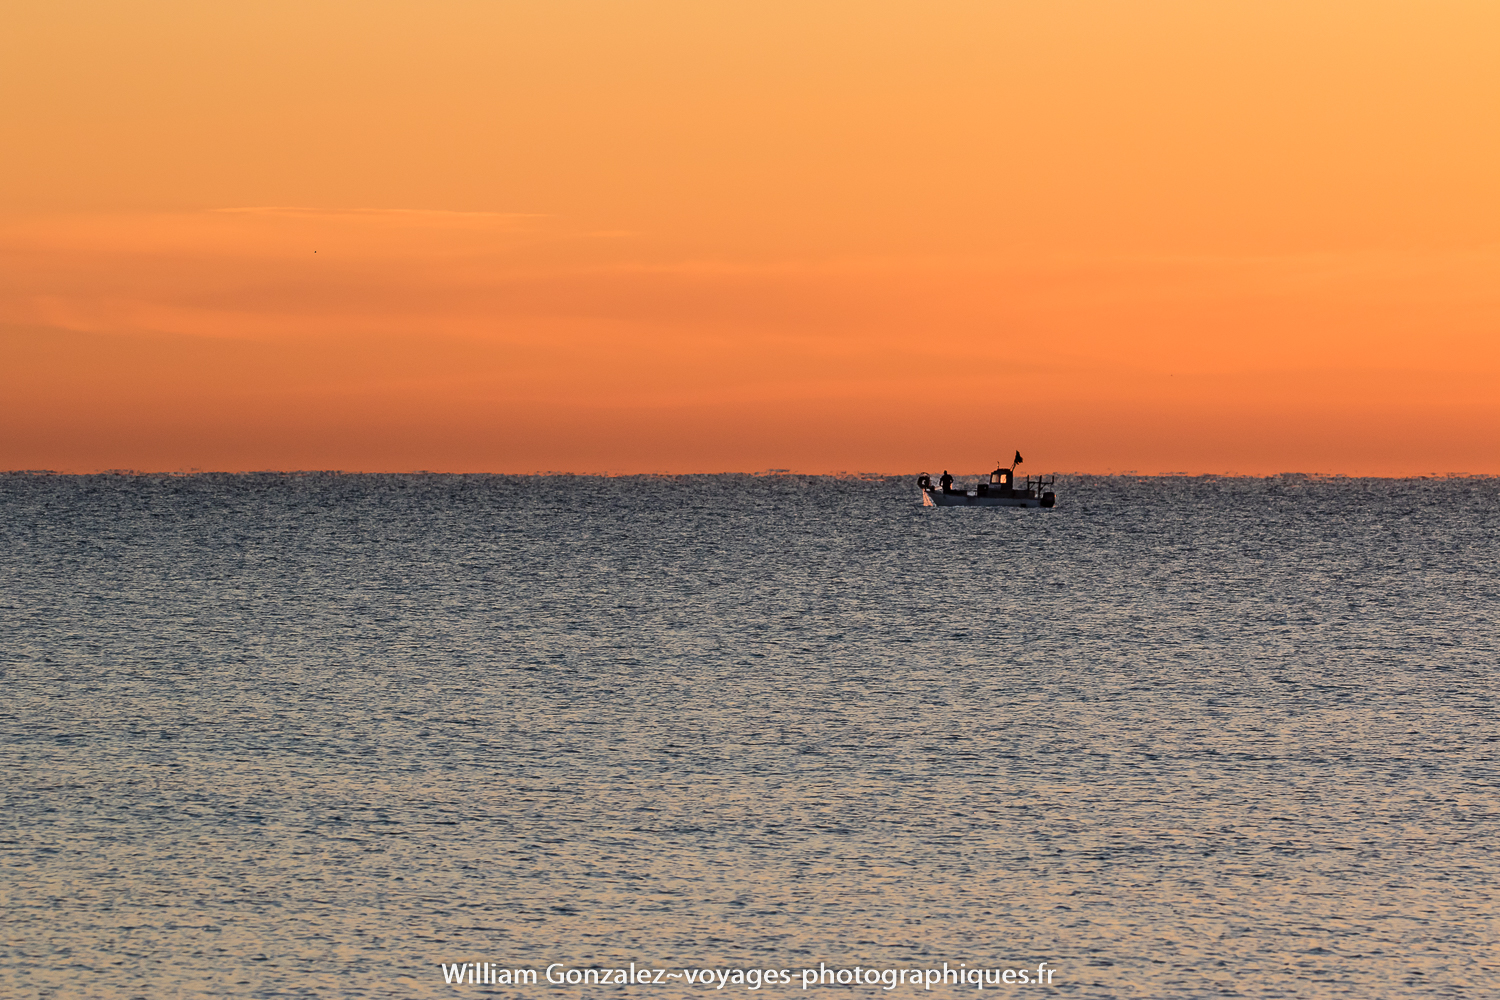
<point>1002,490</point>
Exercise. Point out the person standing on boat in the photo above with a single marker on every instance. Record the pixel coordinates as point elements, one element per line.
<point>947,482</point>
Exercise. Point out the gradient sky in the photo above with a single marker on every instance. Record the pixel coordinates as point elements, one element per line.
<point>685,236</point>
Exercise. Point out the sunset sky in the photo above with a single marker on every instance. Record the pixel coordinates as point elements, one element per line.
<point>613,236</point>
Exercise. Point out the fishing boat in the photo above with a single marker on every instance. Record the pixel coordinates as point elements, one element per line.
<point>1002,490</point>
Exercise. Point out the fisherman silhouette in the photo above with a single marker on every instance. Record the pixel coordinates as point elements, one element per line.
<point>947,482</point>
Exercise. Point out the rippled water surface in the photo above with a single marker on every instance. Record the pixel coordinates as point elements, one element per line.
<point>313,735</point>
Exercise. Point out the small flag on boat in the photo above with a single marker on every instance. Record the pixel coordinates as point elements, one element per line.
<point>1018,459</point>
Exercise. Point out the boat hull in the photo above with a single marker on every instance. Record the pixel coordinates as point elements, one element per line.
<point>937,498</point>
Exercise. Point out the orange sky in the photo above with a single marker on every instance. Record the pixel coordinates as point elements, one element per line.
<point>683,236</point>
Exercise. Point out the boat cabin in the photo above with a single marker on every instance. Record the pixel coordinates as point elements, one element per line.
<point>1002,483</point>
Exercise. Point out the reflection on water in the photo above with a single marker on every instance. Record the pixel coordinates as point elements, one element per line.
<point>270,736</point>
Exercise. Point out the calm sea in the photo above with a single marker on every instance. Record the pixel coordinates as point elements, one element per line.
<point>320,735</point>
